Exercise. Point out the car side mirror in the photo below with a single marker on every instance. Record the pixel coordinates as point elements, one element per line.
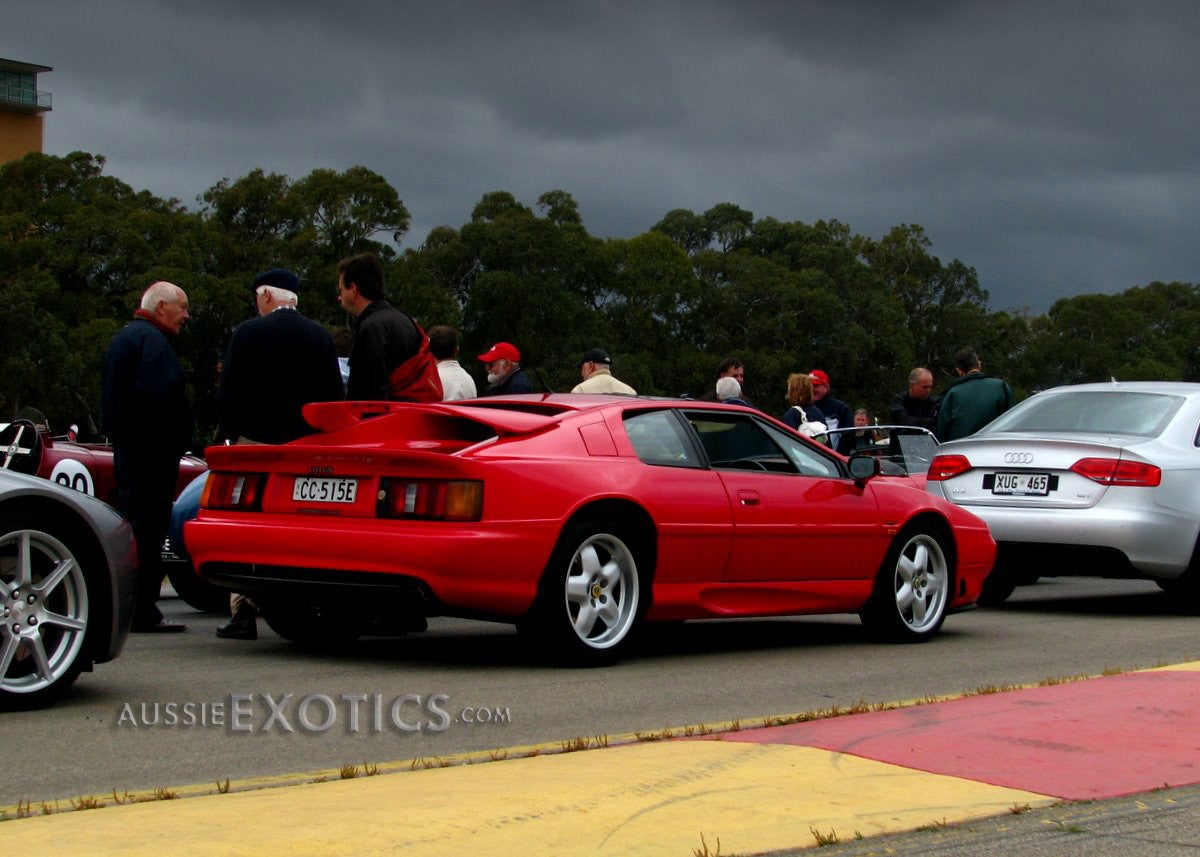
<point>863,467</point>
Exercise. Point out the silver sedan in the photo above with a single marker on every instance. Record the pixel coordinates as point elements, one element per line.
<point>67,566</point>
<point>1092,479</point>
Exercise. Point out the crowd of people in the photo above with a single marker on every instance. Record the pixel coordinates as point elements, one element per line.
<point>279,361</point>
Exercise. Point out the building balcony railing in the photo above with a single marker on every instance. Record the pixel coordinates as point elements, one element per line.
<point>13,97</point>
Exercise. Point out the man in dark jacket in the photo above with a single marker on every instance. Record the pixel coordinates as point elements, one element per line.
<point>973,400</point>
<point>837,413</point>
<point>917,406</point>
<point>145,413</point>
<point>384,337</point>
<point>502,362</point>
<point>276,364</point>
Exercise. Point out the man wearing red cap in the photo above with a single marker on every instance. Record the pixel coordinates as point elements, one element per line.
<point>837,413</point>
<point>504,373</point>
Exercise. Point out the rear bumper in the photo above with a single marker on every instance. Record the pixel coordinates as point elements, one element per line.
<point>1156,542</point>
<point>486,570</point>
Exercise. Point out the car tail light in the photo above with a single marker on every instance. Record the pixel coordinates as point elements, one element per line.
<point>432,499</point>
<point>945,467</point>
<point>1114,471</point>
<point>242,491</point>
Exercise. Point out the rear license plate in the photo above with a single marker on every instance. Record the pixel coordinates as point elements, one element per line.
<point>310,489</point>
<point>1027,484</point>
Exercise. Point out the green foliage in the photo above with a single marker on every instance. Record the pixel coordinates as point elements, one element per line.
<point>77,248</point>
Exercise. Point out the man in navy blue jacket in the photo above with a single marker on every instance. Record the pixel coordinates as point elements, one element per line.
<point>837,413</point>
<point>146,415</point>
<point>276,364</point>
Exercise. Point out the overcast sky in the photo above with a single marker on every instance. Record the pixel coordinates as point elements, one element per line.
<point>1050,145</point>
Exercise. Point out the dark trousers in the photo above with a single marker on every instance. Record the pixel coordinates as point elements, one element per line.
<point>146,490</point>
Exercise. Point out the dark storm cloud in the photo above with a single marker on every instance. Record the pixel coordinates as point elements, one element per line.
<point>1047,145</point>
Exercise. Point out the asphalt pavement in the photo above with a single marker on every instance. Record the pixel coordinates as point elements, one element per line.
<point>978,766</point>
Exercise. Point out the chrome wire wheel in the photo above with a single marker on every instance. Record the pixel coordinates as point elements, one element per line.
<point>602,591</point>
<point>921,583</point>
<point>44,613</point>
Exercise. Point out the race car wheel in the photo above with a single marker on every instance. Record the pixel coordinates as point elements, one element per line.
<point>310,624</point>
<point>590,598</point>
<point>21,447</point>
<point>45,609</point>
<point>912,589</point>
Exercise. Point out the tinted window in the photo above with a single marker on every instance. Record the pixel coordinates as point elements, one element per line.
<point>805,457</point>
<point>658,439</point>
<point>739,442</point>
<point>1101,411</point>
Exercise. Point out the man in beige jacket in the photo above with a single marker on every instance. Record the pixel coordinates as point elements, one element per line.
<point>595,367</point>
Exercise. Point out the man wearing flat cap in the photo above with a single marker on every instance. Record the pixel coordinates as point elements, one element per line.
<point>275,365</point>
<point>502,362</point>
<point>596,370</point>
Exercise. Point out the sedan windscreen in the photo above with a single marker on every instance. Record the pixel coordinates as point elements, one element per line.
<point>1115,412</point>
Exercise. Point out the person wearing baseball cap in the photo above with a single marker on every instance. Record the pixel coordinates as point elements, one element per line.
<point>837,413</point>
<point>596,370</point>
<point>502,362</point>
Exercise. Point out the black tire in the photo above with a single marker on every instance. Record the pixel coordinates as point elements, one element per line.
<point>47,605</point>
<point>195,591</point>
<point>310,624</point>
<point>591,596</point>
<point>997,587</point>
<point>913,587</point>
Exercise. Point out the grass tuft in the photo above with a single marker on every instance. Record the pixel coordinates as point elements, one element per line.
<point>89,802</point>
<point>823,839</point>
<point>703,850</point>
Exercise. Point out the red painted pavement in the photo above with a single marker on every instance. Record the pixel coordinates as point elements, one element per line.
<point>1097,738</point>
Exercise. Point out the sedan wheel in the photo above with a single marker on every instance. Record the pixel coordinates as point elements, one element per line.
<point>912,589</point>
<point>590,596</point>
<point>44,613</point>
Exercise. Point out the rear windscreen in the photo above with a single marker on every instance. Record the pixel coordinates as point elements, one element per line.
<point>1100,411</point>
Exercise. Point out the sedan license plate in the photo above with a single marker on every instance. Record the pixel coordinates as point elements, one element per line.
<point>1025,484</point>
<point>310,489</point>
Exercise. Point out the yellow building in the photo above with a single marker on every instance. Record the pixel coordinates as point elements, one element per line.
<point>21,109</point>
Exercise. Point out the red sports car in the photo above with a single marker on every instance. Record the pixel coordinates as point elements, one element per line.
<point>577,518</point>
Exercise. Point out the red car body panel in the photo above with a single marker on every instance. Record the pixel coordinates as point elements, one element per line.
<point>726,542</point>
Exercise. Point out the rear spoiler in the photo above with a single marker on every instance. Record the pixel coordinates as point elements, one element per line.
<point>335,416</point>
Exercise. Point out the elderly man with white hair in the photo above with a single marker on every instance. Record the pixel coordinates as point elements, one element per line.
<point>729,392</point>
<point>146,415</point>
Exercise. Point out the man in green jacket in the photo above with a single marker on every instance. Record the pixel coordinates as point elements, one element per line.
<point>972,400</point>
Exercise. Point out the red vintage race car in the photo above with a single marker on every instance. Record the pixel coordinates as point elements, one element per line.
<point>27,446</point>
<point>576,517</point>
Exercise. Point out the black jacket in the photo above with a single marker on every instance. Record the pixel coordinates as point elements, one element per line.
<point>907,411</point>
<point>517,382</point>
<point>384,338</point>
<point>274,366</point>
<point>143,403</point>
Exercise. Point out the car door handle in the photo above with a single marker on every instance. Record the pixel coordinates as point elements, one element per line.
<point>748,498</point>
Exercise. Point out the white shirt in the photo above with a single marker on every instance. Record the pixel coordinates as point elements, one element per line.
<point>456,382</point>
